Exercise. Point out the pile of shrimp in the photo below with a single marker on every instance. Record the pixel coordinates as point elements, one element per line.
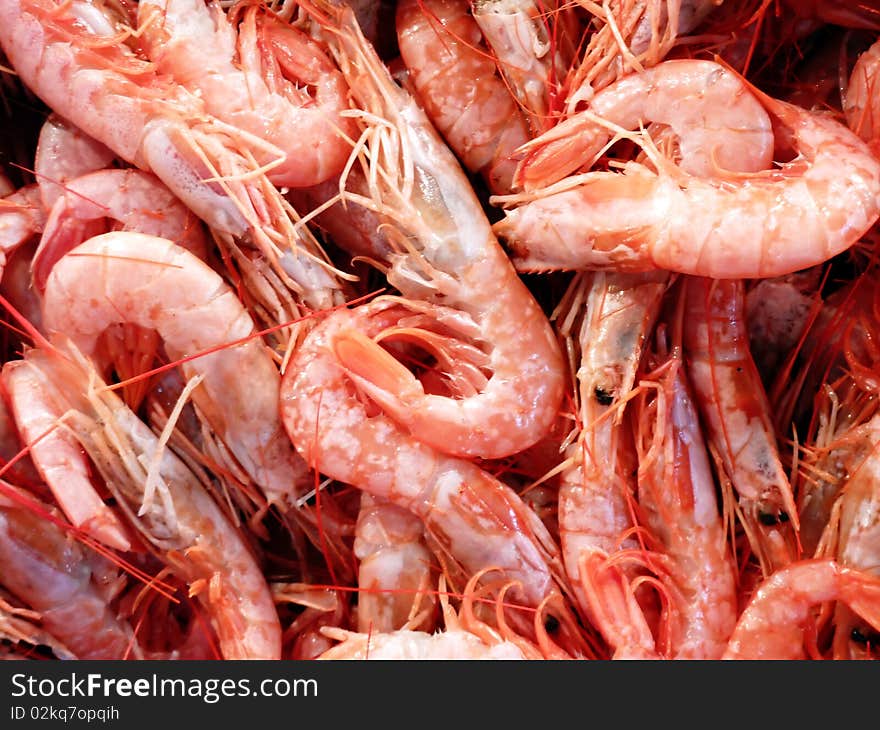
<point>439,329</point>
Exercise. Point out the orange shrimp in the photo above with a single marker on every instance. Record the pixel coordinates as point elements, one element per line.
<point>474,522</point>
<point>736,415</point>
<point>770,224</point>
<point>444,252</point>
<point>596,490</point>
<point>459,88</point>
<point>125,277</point>
<point>780,614</point>
<point>678,506</point>
<point>260,75</point>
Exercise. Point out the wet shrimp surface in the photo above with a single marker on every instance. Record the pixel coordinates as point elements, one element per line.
<point>394,329</point>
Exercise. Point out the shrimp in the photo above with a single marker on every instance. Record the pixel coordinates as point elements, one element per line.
<point>394,574</point>
<point>168,506</point>
<point>860,105</point>
<point>57,456</point>
<point>596,490</point>
<point>770,224</point>
<point>736,415</point>
<point>475,521</point>
<point>720,125</point>
<point>459,88</point>
<point>135,200</point>
<point>126,277</point>
<point>64,153</point>
<point>445,252</point>
<point>257,76</point>
<point>70,55</point>
<point>66,583</point>
<point>777,619</point>
<point>631,37</point>
<point>534,45</point>
<point>678,506</point>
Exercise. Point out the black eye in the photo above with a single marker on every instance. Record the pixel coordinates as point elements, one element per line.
<point>783,517</point>
<point>858,637</point>
<point>603,396</point>
<point>551,625</point>
<point>768,518</point>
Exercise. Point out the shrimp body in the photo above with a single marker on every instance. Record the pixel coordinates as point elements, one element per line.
<point>720,124</point>
<point>475,521</point>
<point>134,200</point>
<point>68,585</point>
<point>774,624</point>
<point>770,224</point>
<point>445,253</point>
<point>257,78</point>
<point>394,573</point>
<point>57,456</point>
<point>459,88</point>
<point>736,412</point>
<point>125,277</point>
<point>63,153</point>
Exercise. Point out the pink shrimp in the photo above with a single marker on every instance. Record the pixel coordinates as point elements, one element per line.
<point>124,277</point>
<point>597,489</point>
<point>131,199</point>
<point>775,622</point>
<point>736,414</point>
<point>58,457</point>
<point>167,504</point>
<point>677,504</point>
<point>474,520</point>
<point>259,77</point>
<point>772,223</point>
<point>444,252</point>
<point>21,218</point>
<point>64,153</point>
<point>720,124</point>
<point>459,88</point>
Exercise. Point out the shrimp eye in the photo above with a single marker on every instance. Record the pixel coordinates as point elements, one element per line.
<point>551,625</point>
<point>783,517</point>
<point>858,636</point>
<point>603,396</point>
<point>769,519</point>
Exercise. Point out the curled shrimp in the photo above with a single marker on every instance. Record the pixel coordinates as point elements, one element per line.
<point>720,125</point>
<point>126,277</point>
<point>260,75</point>
<point>444,252</point>
<point>132,199</point>
<point>782,613</point>
<point>769,224</point>
<point>459,88</point>
<point>475,521</point>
